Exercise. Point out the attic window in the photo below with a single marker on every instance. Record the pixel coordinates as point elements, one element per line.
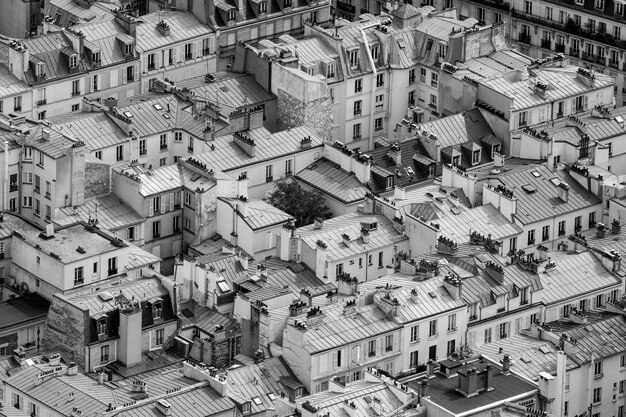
<point>40,70</point>
<point>257,401</point>
<point>102,326</point>
<point>95,57</point>
<point>299,392</point>
<point>373,226</point>
<point>166,115</point>
<point>529,188</point>
<point>128,49</point>
<point>389,183</point>
<point>231,15</point>
<point>401,43</point>
<point>158,107</point>
<point>245,408</point>
<point>272,396</point>
<point>105,296</point>
<point>555,181</point>
<point>535,174</point>
<point>157,310</point>
<point>263,7</point>
<point>128,114</point>
<point>73,61</point>
<point>223,287</point>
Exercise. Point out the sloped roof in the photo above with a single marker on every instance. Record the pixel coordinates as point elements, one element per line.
<point>327,177</point>
<point>184,26</point>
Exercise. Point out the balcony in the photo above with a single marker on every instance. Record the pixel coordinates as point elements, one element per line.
<point>190,149</point>
<point>574,52</point>
<point>613,63</point>
<point>546,43</point>
<point>112,271</point>
<point>269,179</point>
<point>498,4</point>
<point>75,93</point>
<point>163,146</point>
<point>13,187</point>
<point>143,152</point>
<point>42,102</point>
<point>559,47</point>
<point>524,38</point>
<point>345,7</point>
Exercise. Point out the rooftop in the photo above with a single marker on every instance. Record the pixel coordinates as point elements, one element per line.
<point>9,84</point>
<point>111,213</point>
<point>21,310</point>
<point>259,214</point>
<point>183,26</point>
<point>96,129</point>
<point>327,177</point>
<point>350,224</point>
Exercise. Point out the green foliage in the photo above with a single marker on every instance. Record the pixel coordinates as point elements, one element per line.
<point>304,205</point>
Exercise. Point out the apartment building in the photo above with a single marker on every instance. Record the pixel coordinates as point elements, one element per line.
<point>19,18</point>
<point>589,33</point>
<point>174,45</point>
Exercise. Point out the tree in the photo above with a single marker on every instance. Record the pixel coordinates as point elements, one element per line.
<point>304,205</point>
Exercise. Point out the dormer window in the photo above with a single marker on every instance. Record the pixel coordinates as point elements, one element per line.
<point>287,3</point>
<point>231,15</point>
<point>475,157</point>
<point>354,58</point>
<point>262,7</point>
<point>95,57</point>
<point>375,52</point>
<point>73,61</point>
<point>246,408</point>
<point>299,392</point>
<point>128,49</point>
<point>389,183</point>
<point>102,326</point>
<point>494,150</point>
<point>157,310</point>
<point>40,70</point>
<point>330,70</point>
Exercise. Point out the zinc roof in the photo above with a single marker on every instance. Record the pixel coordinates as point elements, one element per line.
<point>184,26</point>
<point>338,330</point>
<point>10,85</point>
<point>350,224</point>
<point>47,48</point>
<point>327,177</point>
<point>574,276</point>
<point>112,213</point>
<point>529,355</point>
<point>88,299</point>
<point>440,27</point>
<point>562,83</point>
<point>103,36</point>
<point>137,257</point>
<point>71,11</point>
<point>97,130</point>
<point>545,203</point>
<point>260,214</point>
<point>426,306</point>
<point>168,179</point>
<point>207,318</point>
<point>227,155</point>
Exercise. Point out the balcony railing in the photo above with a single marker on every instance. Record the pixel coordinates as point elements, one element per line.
<point>345,7</point>
<point>498,4</point>
<point>75,93</point>
<point>613,63</point>
<point>112,271</point>
<point>546,43</point>
<point>559,47</point>
<point>41,102</point>
<point>524,37</point>
<point>574,52</point>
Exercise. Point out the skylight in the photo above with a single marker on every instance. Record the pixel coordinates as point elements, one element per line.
<point>529,188</point>
<point>128,114</point>
<point>401,43</point>
<point>555,181</point>
<point>158,107</point>
<point>535,174</point>
<point>223,286</point>
<point>166,115</point>
<point>105,296</point>
<point>272,396</point>
<point>257,401</point>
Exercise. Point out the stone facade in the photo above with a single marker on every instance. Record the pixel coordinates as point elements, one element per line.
<point>97,179</point>
<point>66,330</point>
<point>317,114</point>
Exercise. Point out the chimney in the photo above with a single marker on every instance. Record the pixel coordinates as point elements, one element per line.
<point>454,285</point>
<point>320,259</point>
<point>318,223</point>
<point>495,271</point>
<point>430,368</point>
<point>76,412</point>
<point>45,134</point>
<point>243,260</point>
<point>424,388</point>
<point>101,377</point>
<point>139,387</point>
<point>129,347</point>
<point>561,369</point>
<point>246,143</point>
<point>563,190</point>
<point>365,235</point>
<point>399,193</point>
<point>164,407</point>
<point>395,154</point>
<point>72,369</point>
<point>611,260</point>
<point>347,285</point>
<point>284,248</point>
<point>498,160</point>
<point>468,381</point>
<point>242,206</point>
<point>487,378</point>
<point>506,364</point>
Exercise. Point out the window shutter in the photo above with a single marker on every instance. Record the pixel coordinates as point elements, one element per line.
<point>151,211</point>
<point>124,75</point>
<point>175,55</point>
<point>136,73</point>
<point>586,102</point>
<point>171,201</point>
<point>114,77</point>
<point>163,204</point>
<point>573,109</point>
<point>145,62</point>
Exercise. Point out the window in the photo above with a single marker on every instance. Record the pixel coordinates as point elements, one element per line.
<point>415,333</point>
<point>188,51</point>
<point>163,141</point>
<point>522,119</point>
<point>617,31</point>
<point>75,88</point>
<point>269,177</point>
<point>592,219</point>
<point>356,376</point>
<point>451,347</point>
<point>357,107</point>
<point>411,99</point>
<point>620,411</point>
<point>112,263</point>
<point>119,152</point>
<point>356,131</point>
<point>246,407</point>
<point>163,162</point>
<point>187,223</point>
<point>337,359</point>
<point>480,14</point>
<point>190,145</point>
<point>288,170</point>
<point>434,79</point>
<point>156,205</point>
<point>156,229</point>
<point>599,300</point>
<point>41,115</point>
<point>545,233</point>
<point>95,57</point>
<point>27,202</point>
<point>128,49</point>
<point>548,13</point>
<point>378,123</point>
<point>101,326</point>
<point>176,223</point>
<point>432,328</point>
<point>380,79</point>
<point>413,359</point>
<point>178,136</point>
<point>16,401</point>
<point>610,145</point>
<point>599,4</point>
<point>566,408</point>
<point>423,75</point>
<point>104,354</point>
<point>27,177</point>
<point>433,100</point>
<point>497,17</point>
<point>528,7</point>
<point>17,103</point>
<point>389,183</point>
<point>389,342</point>
<point>338,269</point>
<point>48,212</point>
<point>562,228</point>
<point>597,395</point>
<point>48,189</point>
<point>503,330</point>
<point>411,76</point>
<point>231,15</point>
<point>151,62</point>
<point>371,348</point>
<point>157,310</point>
<point>94,83</point>
<point>75,107</point>
<point>375,49</point>
<point>142,147</point>
<point>380,260</point>
<point>37,207</point>
<point>358,85</point>
<point>452,322</point>
<point>130,233</point>
<point>531,237</point>
<point>73,61</point>
<point>622,383</point>
<point>597,369</point>
<point>354,58</point>
<point>79,277</point>
<point>475,157</point>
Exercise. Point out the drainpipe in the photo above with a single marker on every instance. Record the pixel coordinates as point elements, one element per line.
<point>373,86</point>
<point>5,188</point>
